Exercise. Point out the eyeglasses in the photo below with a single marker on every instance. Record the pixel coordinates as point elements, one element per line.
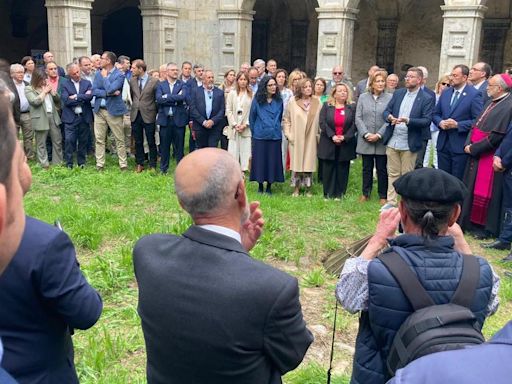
<point>446,84</point>
<point>337,73</point>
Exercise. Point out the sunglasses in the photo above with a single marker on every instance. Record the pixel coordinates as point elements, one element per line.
<point>446,84</point>
<point>337,73</point>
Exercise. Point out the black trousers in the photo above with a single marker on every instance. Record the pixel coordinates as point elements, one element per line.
<point>421,155</point>
<point>139,128</point>
<point>208,137</point>
<point>379,162</point>
<point>335,177</point>
<point>169,134</point>
<point>76,139</point>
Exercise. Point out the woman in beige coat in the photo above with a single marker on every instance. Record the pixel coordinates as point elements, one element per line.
<point>238,106</point>
<point>44,115</point>
<point>301,127</point>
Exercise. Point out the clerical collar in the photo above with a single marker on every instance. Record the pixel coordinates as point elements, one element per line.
<point>499,98</point>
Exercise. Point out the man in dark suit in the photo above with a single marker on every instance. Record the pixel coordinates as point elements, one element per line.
<point>408,113</point>
<point>455,114</point>
<point>13,170</point>
<point>143,113</point>
<point>210,313</point>
<point>171,97</point>
<point>479,77</point>
<point>207,110</point>
<point>109,109</point>
<point>76,95</point>
<point>426,131</point>
<point>43,294</point>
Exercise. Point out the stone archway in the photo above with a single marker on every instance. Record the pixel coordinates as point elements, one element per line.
<point>287,32</point>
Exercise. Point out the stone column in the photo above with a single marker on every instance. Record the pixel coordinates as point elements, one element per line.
<point>69,29</point>
<point>235,33</point>
<point>159,19</point>
<point>461,35</point>
<point>335,40</point>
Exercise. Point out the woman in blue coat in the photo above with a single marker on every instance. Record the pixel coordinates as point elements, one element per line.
<point>265,122</point>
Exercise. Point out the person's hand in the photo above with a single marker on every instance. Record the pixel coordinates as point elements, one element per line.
<point>47,88</point>
<point>386,228</point>
<point>73,97</point>
<point>372,138</point>
<point>497,165</point>
<point>253,227</point>
<point>451,123</point>
<point>467,149</point>
<point>443,124</point>
<point>460,245</point>
<point>117,93</point>
<point>208,124</point>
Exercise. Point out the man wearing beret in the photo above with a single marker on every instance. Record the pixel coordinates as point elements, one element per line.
<point>432,245</point>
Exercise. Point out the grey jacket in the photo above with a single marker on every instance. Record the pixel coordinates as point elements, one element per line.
<point>369,120</point>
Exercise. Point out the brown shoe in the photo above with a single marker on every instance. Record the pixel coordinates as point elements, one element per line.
<point>363,199</point>
<point>382,201</point>
<point>139,169</point>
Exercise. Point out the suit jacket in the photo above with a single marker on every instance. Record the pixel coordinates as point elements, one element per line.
<point>145,101</point>
<point>43,296</point>
<point>198,109</point>
<point>104,87</point>
<point>419,118</point>
<point>175,100</point>
<point>326,147</point>
<point>426,131</point>
<point>483,91</point>
<point>505,150</point>
<point>38,115</point>
<point>83,100</point>
<point>361,87</point>
<point>488,362</point>
<point>212,314</point>
<point>465,111</point>
<point>9,82</point>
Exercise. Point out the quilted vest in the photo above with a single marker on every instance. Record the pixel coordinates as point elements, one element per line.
<point>438,268</point>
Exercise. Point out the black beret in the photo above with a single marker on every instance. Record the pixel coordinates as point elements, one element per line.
<point>429,184</point>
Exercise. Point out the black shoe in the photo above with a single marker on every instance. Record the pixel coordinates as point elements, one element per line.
<point>507,258</point>
<point>496,245</point>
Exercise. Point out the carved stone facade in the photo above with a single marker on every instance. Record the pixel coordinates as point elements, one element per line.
<point>319,33</point>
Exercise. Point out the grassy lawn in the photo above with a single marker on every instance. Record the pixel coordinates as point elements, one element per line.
<point>105,213</point>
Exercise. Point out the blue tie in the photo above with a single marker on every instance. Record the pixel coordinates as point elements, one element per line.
<point>454,99</point>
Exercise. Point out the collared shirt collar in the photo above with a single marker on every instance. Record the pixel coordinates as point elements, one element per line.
<point>222,231</point>
<point>413,92</point>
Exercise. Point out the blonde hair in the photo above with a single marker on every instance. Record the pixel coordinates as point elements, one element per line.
<point>442,79</point>
<point>373,78</point>
<point>295,74</point>
<point>331,101</point>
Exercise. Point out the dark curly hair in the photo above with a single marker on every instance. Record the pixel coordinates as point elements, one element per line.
<point>261,93</point>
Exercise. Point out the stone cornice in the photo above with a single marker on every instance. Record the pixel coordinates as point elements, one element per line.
<point>464,11</point>
<point>337,13</point>
<point>82,4</point>
<point>235,14</point>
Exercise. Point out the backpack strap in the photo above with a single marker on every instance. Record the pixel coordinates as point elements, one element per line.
<point>407,279</point>
<point>468,282</point>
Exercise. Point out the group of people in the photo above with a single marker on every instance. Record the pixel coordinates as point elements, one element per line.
<point>209,312</point>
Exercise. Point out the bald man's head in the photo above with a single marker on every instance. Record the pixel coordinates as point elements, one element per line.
<point>207,182</point>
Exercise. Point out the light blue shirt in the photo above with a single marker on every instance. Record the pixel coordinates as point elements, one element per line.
<point>399,140</point>
<point>208,101</point>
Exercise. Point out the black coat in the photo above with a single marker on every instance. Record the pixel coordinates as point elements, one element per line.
<point>326,148</point>
<point>212,314</point>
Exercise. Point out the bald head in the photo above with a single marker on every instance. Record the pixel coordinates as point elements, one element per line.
<point>207,183</point>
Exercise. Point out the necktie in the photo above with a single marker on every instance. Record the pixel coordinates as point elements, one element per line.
<point>455,98</point>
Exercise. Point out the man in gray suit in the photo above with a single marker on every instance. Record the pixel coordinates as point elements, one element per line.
<point>362,86</point>
<point>210,313</point>
<point>143,113</point>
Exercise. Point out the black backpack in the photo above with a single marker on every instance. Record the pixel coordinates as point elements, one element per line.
<point>433,328</point>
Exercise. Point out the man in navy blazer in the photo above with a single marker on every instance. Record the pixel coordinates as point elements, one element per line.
<point>171,97</point>
<point>207,110</point>
<point>14,175</point>
<point>409,112</point>
<point>76,95</point>
<point>43,294</point>
<point>210,312</point>
<point>455,114</point>
<point>109,109</point>
<point>426,131</point>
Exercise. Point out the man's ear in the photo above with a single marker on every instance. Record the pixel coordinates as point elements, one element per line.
<point>241,194</point>
<point>455,215</point>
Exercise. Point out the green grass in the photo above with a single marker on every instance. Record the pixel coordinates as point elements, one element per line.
<point>106,213</point>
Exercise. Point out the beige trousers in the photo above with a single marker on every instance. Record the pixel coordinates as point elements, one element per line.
<point>103,120</point>
<point>399,163</point>
<point>25,127</point>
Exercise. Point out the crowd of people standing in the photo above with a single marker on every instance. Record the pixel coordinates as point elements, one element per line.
<point>273,121</point>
